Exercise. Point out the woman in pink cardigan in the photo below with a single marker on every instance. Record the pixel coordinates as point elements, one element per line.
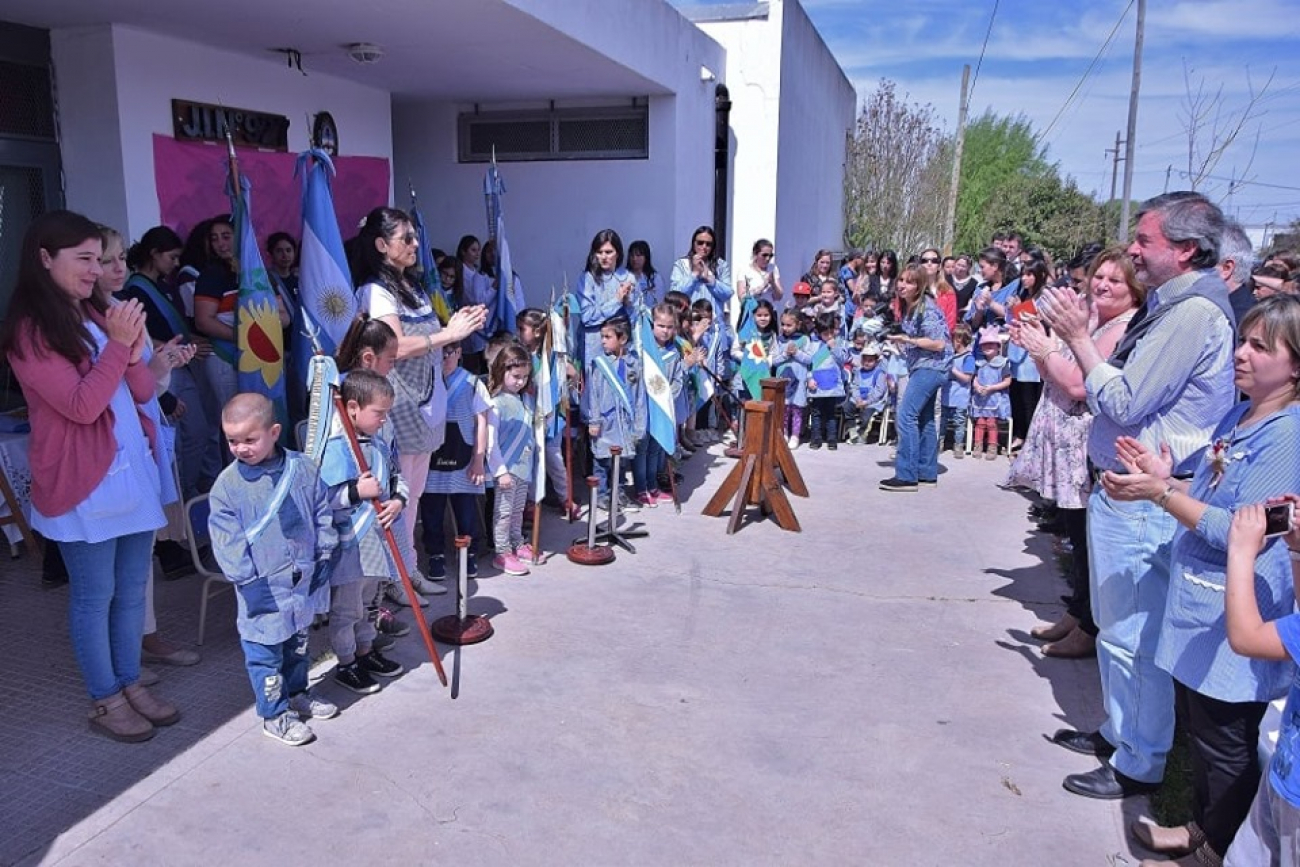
<point>95,486</point>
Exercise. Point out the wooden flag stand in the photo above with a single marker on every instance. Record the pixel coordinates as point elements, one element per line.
<point>753,480</point>
<point>774,393</point>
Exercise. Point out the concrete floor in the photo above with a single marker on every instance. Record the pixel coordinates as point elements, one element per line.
<point>861,693</point>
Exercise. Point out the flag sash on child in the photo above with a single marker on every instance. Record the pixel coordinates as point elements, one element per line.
<point>755,365</point>
<point>259,337</point>
<point>660,422</point>
<point>615,382</point>
<point>324,283</point>
<point>545,412</point>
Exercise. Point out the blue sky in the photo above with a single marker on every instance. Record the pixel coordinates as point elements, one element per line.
<point>1038,52</point>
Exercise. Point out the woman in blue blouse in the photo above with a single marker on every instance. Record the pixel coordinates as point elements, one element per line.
<point>1221,696</point>
<point>606,291</point>
<point>703,273</point>
<point>927,348</point>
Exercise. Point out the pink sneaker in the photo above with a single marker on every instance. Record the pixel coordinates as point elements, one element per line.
<point>509,564</point>
<point>647,499</point>
<point>524,553</point>
<point>662,496</point>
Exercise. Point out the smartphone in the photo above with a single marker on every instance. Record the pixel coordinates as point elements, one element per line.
<point>1277,519</point>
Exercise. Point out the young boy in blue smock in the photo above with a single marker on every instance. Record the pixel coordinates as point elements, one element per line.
<point>273,537</point>
<point>825,359</point>
<point>613,404</point>
<point>955,393</point>
<point>868,396</point>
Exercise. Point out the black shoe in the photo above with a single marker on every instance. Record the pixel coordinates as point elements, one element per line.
<point>928,483</point>
<point>897,485</point>
<point>1106,784</point>
<point>376,664</point>
<point>1087,743</point>
<point>382,642</point>
<point>833,445</point>
<point>815,444</point>
<point>355,678</point>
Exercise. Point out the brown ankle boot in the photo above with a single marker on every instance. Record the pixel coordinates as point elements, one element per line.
<point>1077,645</point>
<point>149,706</point>
<point>116,718</point>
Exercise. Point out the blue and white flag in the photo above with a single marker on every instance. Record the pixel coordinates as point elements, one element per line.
<point>502,315</point>
<point>660,422</point>
<point>324,284</point>
<point>259,336</point>
<point>438,299</point>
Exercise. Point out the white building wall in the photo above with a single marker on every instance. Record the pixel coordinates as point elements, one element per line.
<point>753,77</point>
<point>816,115</point>
<point>115,87</point>
<point>554,208</point>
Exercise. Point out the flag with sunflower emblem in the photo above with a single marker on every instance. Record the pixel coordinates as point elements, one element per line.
<point>660,422</point>
<point>259,334</point>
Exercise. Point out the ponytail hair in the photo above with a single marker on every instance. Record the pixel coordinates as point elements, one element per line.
<point>364,333</point>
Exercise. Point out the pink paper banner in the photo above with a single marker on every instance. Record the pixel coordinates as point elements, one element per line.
<point>191,181</point>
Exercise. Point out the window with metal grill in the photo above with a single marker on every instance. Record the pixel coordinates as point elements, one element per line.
<point>621,133</point>
<point>26,103</point>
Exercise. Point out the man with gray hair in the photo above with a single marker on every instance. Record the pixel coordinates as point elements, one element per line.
<point>1236,260</point>
<point>1166,391</point>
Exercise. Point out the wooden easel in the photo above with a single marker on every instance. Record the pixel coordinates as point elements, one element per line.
<point>15,516</point>
<point>774,393</point>
<point>752,481</point>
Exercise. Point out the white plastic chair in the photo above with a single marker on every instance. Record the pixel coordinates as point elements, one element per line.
<point>196,531</point>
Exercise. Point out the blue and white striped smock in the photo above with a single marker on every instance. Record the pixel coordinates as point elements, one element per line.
<point>462,407</point>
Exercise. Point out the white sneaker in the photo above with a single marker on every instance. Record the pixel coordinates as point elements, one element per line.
<point>396,594</point>
<point>288,729</point>
<point>793,442</point>
<point>309,705</point>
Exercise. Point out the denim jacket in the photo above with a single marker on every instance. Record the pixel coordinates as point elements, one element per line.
<point>278,561</point>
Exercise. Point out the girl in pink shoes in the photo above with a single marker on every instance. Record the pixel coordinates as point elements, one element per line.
<point>516,444</point>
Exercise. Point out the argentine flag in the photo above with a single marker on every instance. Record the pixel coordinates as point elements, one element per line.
<point>660,423</point>
<point>328,301</point>
<point>259,337</point>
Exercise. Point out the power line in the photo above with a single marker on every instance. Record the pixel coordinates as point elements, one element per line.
<point>1238,182</point>
<point>983,48</point>
<point>1088,71</point>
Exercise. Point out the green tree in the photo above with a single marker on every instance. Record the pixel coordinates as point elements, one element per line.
<point>1007,183</point>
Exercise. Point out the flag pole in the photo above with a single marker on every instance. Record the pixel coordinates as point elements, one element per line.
<point>363,467</point>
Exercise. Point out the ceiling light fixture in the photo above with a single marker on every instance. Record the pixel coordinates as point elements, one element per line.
<point>365,52</point>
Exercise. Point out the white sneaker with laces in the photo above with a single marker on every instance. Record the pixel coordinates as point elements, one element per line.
<point>309,705</point>
<point>288,729</point>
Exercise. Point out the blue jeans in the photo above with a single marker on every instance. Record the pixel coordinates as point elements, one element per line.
<point>918,442</point>
<point>276,671</point>
<point>1129,546</point>
<point>646,463</point>
<point>954,425</point>
<point>106,584</point>
<point>464,509</point>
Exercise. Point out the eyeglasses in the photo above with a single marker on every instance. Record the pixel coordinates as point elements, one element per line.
<point>408,238</point>
<point>765,255</point>
<point>703,242</point>
<point>449,351</point>
<point>929,260</point>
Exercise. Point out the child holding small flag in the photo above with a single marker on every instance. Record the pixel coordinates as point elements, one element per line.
<point>825,360</point>
<point>664,381</point>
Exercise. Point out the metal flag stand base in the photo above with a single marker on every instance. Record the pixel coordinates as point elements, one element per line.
<point>462,627</point>
<point>587,552</point>
<point>611,532</point>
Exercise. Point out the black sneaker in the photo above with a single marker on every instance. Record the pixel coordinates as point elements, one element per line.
<point>355,678</point>
<point>815,445</point>
<point>379,665</point>
<point>897,485</point>
<point>386,623</point>
<point>437,569</point>
<point>833,445</point>
<point>471,567</point>
<point>382,642</point>
<point>928,483</point>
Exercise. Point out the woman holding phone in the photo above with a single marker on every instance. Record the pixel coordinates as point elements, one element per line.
<point>1221,696</point>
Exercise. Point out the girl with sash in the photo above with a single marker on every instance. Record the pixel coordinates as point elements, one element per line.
<point>456,470</point>
<point>389,292</point>
<point>613,404</point>
<point>516,439</point>
<point>153,260</point>
<point>789,343</point>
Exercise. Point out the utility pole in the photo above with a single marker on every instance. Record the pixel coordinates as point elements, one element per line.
<point>1114,166</point>
<point>950,227</point>
<point>1130,144</point>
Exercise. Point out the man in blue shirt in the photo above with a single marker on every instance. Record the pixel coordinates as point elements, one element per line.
<point>1168,382</point>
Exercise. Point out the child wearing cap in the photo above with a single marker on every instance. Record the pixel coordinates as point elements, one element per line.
<point>989,401</point>
<point>868,395</point>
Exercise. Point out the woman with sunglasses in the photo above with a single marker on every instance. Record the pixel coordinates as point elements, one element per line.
<point>938,288</point>
<point>388,291</point>
<point>702,273</point>
<point>761,279</point>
